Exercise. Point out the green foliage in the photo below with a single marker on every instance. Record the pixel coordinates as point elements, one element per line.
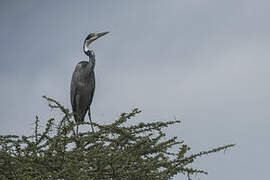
<point>113,151</point>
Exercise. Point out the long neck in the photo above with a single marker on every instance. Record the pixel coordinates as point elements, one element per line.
<point>85,47</point>
<point>89,53</point>
<point>92,58</point>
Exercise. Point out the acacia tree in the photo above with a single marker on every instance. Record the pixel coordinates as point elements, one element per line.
<point>114,151</point>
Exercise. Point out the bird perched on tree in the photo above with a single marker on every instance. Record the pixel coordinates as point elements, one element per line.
<point>82,86</point>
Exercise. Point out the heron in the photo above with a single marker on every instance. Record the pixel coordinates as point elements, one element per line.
<point>82,86</point>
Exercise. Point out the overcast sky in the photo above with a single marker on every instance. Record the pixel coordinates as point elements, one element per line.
<point>204,62</point>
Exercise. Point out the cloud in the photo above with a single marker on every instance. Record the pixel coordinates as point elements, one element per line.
<point>204,62</point>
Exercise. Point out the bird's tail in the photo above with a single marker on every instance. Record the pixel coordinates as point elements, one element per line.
<point>78,118</point>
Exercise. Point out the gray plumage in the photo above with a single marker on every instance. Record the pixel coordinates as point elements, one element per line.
<point>82,86</point>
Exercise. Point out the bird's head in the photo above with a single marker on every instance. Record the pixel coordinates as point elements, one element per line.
<point>89,39</point>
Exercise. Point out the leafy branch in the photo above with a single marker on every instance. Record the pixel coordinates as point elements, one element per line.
<point>114,151</point>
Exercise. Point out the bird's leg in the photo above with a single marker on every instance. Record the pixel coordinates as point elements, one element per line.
<point>77,129</point>
<point>89,115</point>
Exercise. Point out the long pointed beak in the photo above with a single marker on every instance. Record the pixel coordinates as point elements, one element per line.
<point>102,34</point>
<point>98,35</point>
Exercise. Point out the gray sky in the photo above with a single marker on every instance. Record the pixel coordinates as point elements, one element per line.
<point>204,62</point>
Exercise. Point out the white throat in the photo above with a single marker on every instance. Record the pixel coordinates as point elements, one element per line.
<point>85,46</point>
